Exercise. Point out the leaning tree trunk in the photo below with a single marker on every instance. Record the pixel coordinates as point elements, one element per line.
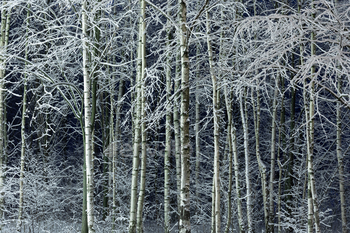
<point>137,139</point>
<point>143,118</point>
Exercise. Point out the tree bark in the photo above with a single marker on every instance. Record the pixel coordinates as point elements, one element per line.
<point>244,116</point>
<point>167,137</point>
<point>216,182</point>
<point>177,133</point>
<point>143,118</point>
<point>185,226</point>
<point>262,166</point>
<point>87,127</point>
<point>138,124</point>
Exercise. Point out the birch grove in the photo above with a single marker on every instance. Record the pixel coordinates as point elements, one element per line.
<point>175,116</point>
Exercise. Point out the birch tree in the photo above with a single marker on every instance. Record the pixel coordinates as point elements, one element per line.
<point>87,124</point>
<point>140,136</point>
<point>215,96</point>
<point>184,123</point>
<point>167,151</point>
<point>310,114</point>
<point>244,117</point>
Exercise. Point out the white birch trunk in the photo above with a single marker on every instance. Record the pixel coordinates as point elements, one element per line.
<point>213,206</point>
<point>185,226</point>
<point>229,142</point>
<point>311,139</point>
<point>310,160</point>
<point>309,195</point>
<point>143,118</point>
<point>232,143</point>
<point>167,138</point>
<point>137,134</point>
<point>87,126</point>
<point>216,183</point>
<point>177,134</point>
<point>237,179</point>
<point>244,116</point>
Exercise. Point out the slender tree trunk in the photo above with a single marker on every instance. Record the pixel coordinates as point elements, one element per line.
<point>216,183</point>
<point>262,166</point>
<point>87,127</point>
<point>237,180</point>
<point>116,148</point>
<point>177,133</point>
<point>167,137</point>
<point>281,144</point>
<point>137,132</point>
<point>106,166</point>
<point>273,159</point>
<point>2,110</point>
<point>311,137</point>
<point>23,146</point>
<point>244,116</point>
<point>143,119</point>
<point>112,148</point>
<point>279,204</point>
<point>5,28</point>
<point>340,157</point>
<point>289,180</point>
<point>23,137</point>
<point>213,207</point>
<point>196,131</point>
<point>185,226</point>
<point>229,141</point>
<point>141,197</point>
